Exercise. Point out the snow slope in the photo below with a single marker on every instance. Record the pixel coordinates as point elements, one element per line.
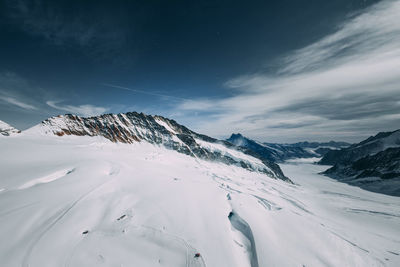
<point>85,201</point>
<point>7,130</point>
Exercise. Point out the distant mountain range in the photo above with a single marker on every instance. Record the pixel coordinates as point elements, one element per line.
<point>281,152</point>
<point>134,127</point>
<point>373,164</point>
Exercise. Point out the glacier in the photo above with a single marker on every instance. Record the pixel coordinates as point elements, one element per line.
<point>87,201</point>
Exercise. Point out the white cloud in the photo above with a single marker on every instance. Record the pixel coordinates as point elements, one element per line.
<point>346,85</point>
<point>17,102</point>
<point>84,110</point>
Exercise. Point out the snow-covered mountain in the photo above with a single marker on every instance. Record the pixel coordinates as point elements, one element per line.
<point>281,152</point>
<point>370,146</point>
<point>373,164</point>
<point>7,130</point>
<point>135,127</point>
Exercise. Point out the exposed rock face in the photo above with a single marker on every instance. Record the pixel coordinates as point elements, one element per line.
<point>282,152</point>
<point>136,127</point>
<point>373,164</point>
<point>7,130</point>
<point>385,164</point>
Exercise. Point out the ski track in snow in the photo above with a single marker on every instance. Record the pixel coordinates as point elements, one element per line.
<point>372,212</point>
<point>142,205</point>
<point>8,212</point>
<point>148,230</point>
<point>190,250</point>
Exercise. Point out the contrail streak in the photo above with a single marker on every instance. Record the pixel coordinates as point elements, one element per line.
<point>142,92</point>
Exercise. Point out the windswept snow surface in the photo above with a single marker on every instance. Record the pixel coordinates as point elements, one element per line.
<point>46,179</point>
<point>84,201</point>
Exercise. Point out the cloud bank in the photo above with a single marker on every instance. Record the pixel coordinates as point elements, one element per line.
<point>344,86</point>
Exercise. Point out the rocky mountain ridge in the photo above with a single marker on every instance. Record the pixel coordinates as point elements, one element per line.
<point>134,127</point>
<point>370,146</point>
<point>373,164</point>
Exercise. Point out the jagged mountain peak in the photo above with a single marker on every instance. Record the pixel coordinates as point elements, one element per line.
<point>236,135</point>
<point>238,139</point>
<point>134,127</point>
<point>7,130</point>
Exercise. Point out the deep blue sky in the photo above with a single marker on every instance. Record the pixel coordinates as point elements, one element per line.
<point>188,60</point>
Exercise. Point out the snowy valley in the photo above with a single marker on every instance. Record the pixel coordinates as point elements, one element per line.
<point>81,200</point>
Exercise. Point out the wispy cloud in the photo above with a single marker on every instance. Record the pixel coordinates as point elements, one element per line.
<point>84,110</point>
<point>16,91</point>
<point>375,30</point>
<point>17,102</point>
<point>348,78</point>
<point>26,105</point>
